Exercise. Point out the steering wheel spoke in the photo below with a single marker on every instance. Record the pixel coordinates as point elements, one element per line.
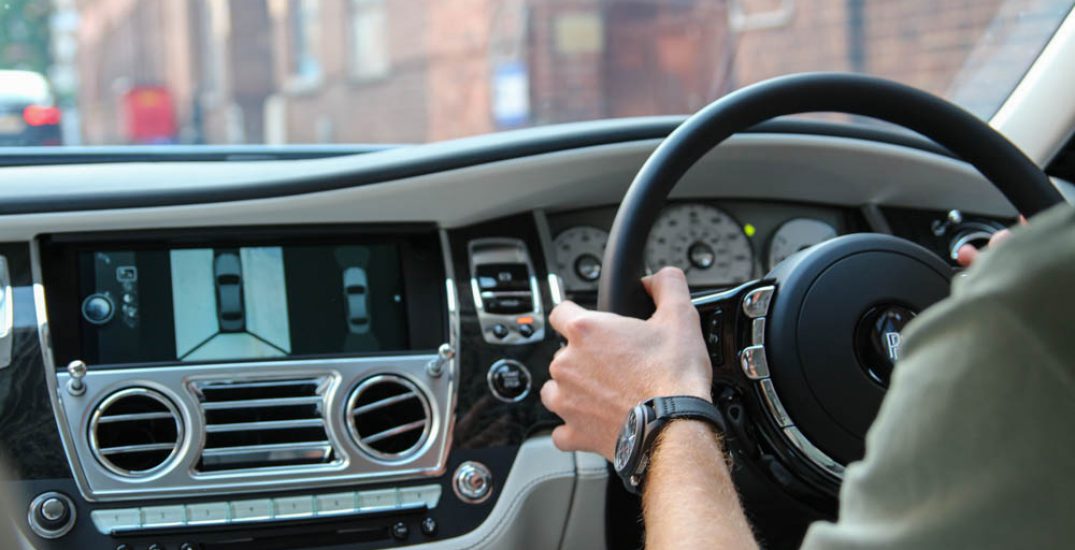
<point>733,324</point>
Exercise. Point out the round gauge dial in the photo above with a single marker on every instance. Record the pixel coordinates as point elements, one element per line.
<point>795,235</point>
<point>703,241</point>
<point>578,256</point>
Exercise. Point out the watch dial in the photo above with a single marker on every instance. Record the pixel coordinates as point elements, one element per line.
<point>627,441</point>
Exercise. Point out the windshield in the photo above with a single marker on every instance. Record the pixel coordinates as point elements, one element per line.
<point>411,71</point>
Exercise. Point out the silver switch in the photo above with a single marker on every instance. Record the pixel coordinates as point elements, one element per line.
<point>53,509</point>
<point>473,482</point>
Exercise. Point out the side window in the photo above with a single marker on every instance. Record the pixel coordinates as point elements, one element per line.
<point>368,40</point>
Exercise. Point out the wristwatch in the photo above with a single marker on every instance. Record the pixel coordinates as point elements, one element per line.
<point>645,421</point>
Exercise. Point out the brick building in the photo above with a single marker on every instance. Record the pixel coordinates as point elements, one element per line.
<point>310,71</point>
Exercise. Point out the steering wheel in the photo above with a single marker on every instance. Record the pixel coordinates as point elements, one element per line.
<point>801,357</point>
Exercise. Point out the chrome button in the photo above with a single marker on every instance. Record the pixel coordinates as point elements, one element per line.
<point>756,302</point>
<point>753,362</point>
<point>473,482</point>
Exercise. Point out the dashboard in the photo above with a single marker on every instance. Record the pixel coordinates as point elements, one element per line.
<point>347,352</point>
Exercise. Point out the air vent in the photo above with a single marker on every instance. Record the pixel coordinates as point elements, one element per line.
<point>135,432</point>
<point>263,424</point>
<point>389,417</point>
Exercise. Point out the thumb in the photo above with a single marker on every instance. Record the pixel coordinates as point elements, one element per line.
<point>668,288</point>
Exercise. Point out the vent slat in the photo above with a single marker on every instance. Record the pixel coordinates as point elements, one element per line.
<point>133,417</point>
<point>266,425</point>
<point>255,424</point>
<point>257,403</point>
<point>384,403</point>
<point>394,431</point>
<point>143,448</point>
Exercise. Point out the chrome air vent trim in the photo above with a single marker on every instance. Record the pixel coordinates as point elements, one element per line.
<point>113,437</point>
<point>254,424</point>
<point>375,435</point>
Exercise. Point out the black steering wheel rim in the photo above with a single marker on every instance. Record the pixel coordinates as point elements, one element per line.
<point>1021,181</point>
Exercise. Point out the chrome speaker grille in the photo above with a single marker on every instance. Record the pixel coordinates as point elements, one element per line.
<point>135,432</point>
<point>389,417</point>
<point>255,424</point>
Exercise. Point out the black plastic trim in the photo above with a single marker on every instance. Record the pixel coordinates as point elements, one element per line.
<point>42,156</point>
<point>509,145</point>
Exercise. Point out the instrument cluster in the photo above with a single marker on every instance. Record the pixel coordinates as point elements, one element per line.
<point>716,245</point>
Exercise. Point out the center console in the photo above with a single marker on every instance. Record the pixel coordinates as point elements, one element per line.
<point>354,386</point>
<point>197,366</point>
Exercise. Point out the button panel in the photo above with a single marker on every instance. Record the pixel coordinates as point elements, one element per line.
<point>505,289</point>
<point>118,520</point>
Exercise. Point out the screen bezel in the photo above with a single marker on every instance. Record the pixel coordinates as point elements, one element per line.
<point>421,264</point>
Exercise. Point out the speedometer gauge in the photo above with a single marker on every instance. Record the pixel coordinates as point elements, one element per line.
<point>795,235</point>
<point>703,241</point>
<point>578,256</point>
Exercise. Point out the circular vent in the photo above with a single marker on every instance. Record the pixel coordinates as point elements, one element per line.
<point>389,417</point>
<point>135,432</point>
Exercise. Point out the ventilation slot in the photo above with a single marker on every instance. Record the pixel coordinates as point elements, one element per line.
<point>263,424</point>
<point>389,417</point>
<point>135,432</point>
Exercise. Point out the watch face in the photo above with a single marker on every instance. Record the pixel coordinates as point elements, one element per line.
<point>628,442</point>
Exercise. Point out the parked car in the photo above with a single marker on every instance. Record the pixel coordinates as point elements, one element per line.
<point>28,111</point>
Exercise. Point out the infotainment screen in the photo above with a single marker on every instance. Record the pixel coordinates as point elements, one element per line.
<point>243,302</point>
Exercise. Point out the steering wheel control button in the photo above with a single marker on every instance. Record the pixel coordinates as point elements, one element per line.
<point>509,380</point>
<point>473,483</point>
<point>757,332</point>
<point>878,341</point>
<point>98,309</point>
<point>714,337</point>
<point>756,302</point>
<point>753,362</point>
<point>51,515</point>
<point>428,527</point>
<point>500,331</point>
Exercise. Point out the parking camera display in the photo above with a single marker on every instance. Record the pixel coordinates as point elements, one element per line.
<point>238,303</point>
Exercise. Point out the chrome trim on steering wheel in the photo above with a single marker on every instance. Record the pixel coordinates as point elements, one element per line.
<point>752,360</point>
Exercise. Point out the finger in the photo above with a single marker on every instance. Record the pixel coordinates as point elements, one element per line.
<point>966,255</point>
<point>668,288</point>
<point>550,395</point>
<point>1022,220</point>
<point>563,438</point>
<point>562,316</point>
<point>999,237</point>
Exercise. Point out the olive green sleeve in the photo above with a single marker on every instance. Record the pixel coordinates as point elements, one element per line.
<point>974,446</point>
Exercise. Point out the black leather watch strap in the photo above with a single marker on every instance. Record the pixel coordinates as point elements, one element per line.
<point>682,406</point>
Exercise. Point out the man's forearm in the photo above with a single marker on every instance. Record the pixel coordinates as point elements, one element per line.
<point>689,500</point>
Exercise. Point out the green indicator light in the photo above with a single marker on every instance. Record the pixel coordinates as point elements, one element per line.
<point>749,230</point>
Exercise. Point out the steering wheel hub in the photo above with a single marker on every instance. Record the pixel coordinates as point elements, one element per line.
<point>826,299</point>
